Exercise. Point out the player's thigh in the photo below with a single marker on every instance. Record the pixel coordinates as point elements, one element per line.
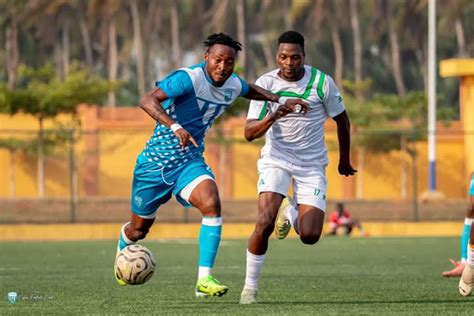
<point>152,186</point>
<point>273,177</point>
<point>309,187</point>
<point>205,197</point>
<point>196,187</point>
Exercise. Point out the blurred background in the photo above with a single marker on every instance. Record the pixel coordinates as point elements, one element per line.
<point>74,70</point>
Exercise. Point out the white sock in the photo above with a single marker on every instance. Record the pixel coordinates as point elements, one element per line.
<point>123,240</point>
<point>254,264</point>
<point>204,272</point>
<point>292,214</point>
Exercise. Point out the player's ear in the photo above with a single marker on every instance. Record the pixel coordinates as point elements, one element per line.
<point>206,55</point>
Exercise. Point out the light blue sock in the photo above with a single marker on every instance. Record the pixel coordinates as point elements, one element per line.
<point>123,240</point>
<point>465,237</point>
<point>471,185</point>
<point>209,240</point>
<point>467,224</point>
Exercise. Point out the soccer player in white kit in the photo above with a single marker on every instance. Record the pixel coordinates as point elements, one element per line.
<point>294,150</point>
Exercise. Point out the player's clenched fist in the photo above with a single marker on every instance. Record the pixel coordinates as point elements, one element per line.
<point>296,105</point>
<point>281,111</point>
<point>346,169</point>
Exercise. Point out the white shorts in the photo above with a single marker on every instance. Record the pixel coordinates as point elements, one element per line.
<point>309,183</point>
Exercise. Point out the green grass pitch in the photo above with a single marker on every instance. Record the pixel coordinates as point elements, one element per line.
<point>380,276</point>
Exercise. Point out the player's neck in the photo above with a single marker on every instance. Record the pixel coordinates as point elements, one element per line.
<point>298,76</point>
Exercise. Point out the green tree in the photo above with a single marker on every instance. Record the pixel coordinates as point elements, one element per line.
<point>391,122</point>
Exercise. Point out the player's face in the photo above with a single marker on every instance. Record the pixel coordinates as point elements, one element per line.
<point>220,62</point>
<point>290,58</point>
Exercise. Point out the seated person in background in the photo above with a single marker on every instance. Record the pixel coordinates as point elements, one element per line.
<point>341,218</point>
<point>464,241</point>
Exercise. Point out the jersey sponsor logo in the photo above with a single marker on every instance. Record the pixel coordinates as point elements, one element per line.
<point>210,111</point>
<point>261,182</point>
<point>227,95</point>
<point>138,201</point>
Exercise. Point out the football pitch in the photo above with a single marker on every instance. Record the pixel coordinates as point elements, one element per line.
<point>381,276</point>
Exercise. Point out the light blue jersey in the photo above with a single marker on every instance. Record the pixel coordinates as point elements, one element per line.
<point>195,103</point>
<point>163,167</point>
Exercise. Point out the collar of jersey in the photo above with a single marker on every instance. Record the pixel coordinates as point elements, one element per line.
<point>307,90</point>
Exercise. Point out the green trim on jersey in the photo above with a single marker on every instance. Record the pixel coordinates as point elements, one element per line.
<point>303,95</point>
<point>306,92</point>
<point>322,77</point>
<point>263,112</point>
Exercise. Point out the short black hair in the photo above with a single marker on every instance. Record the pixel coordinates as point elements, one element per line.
<point>224,39</point>
<point>291,37</point>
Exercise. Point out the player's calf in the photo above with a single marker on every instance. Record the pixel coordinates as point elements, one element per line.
<point>136,233</point>
<point>264,226</point>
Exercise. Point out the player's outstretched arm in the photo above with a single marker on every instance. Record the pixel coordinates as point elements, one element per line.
<point>151,104</point>
<point>344,138</point>
<point>258,93</point>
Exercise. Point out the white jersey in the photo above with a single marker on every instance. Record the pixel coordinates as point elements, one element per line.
<point>298,138</point>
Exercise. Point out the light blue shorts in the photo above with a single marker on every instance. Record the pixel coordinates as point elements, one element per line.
<point>153,186</point>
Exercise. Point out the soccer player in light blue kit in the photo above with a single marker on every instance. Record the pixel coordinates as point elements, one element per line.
<point>466,283</point>
<point>185,104</point>
<point>459,265</point>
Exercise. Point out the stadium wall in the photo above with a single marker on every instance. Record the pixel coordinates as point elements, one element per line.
<point>111,138</point>
<point>113,210</point>
<point>160,231</point>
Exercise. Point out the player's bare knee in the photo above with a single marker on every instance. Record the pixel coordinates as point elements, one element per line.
<point>211,207</point>
<point>470,211</point>
<point>310,238</point>
<point>264,226</point>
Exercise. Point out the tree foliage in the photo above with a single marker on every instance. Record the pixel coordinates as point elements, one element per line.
<point>45,27</point>
<point>42,94</point>
<point>383,120</point>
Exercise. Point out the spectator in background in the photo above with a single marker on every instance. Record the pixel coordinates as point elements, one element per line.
<point>341,219</point>
<point>466,282</point>
<point>464,241</point>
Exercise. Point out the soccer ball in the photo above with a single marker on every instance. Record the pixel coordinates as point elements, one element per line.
<point>135,264</point>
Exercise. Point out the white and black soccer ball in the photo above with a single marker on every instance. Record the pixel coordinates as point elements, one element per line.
<point>135,264</point>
